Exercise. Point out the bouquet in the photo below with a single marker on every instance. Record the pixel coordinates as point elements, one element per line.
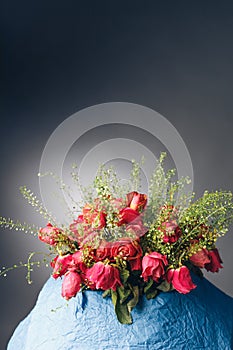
<point>126,243</point>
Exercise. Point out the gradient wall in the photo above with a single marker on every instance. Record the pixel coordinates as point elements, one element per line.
<point>58,58</point>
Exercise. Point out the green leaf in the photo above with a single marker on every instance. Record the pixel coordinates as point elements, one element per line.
<point>106,293</point>
<point>148,285</point>
<point>124,275</point>
<point>151,294</point>
<point>122,312</point>
<point>165,286</point>
<point>133,302</point>
<point>123,294</point>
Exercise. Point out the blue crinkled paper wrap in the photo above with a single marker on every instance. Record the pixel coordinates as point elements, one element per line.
<point>202,319</point>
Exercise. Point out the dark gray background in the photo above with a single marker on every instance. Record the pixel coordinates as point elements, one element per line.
<point>175,57</point>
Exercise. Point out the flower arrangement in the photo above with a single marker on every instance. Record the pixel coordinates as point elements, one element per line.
<point>127,243</point>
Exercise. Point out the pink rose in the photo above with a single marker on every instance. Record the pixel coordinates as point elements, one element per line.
<point>61,264</point>
<point>136,201</point>
<point>171,230</point>
<point>49,234</point>
<point>215,261</point>
<point>77,262</point>
<point>200,258</point>
<point>181,279</point>
<point>71,284</point>
<point>128,250</point>
<point>104,276</point>
<point>153,266</point>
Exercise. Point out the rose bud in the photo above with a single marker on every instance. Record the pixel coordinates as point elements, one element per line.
<point>49,234</point>
<point>71,284</point>
<point>128,250</point>
<point>181,279</point>
<point>215,261</point>
<point>200,258</point>
<point>61,265</point>
<point>136,201</point>
<point>153,266</point>
<point>104,276</point>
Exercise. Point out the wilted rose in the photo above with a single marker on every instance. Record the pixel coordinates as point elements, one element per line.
<point>129,250</point>
<point>104,276</point>
<point>171,230</point>
<point>200,258</point>
<point>49,234</point>
<point>153,265</point>
<point>71,284</point>
<point>215,261</point>
<point>181,279</point>
<point>136,201</point>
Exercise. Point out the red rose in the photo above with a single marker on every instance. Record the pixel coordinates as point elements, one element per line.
<point>153,266</point>
<point>49,234</point>
<point>104,276</point>
<point>128,215</point>
<point>200,258</point>
<point>128,250</point>
<point>181,279</point>
<point>61,264</point>
<point>103,251</point>
<point>171,230</point>
<point>136,201</point>
<point>215,261</point>
<point>71,284</point>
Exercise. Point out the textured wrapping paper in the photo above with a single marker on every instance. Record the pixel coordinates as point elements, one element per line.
<point>202,319</point>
